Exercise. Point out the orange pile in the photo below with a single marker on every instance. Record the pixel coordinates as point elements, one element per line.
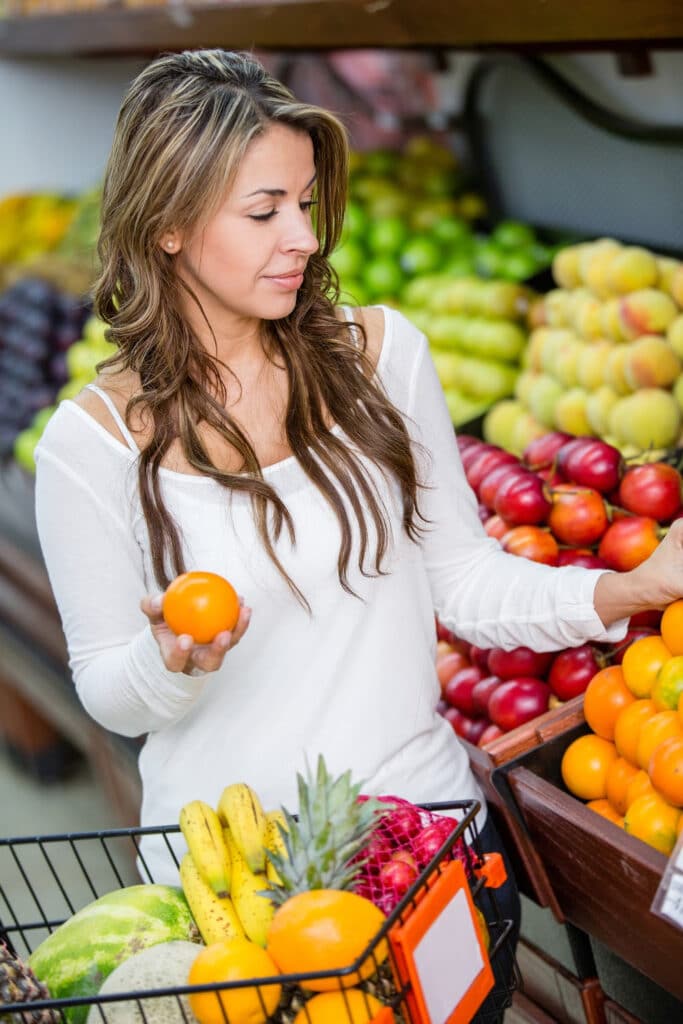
<point>630,768</point>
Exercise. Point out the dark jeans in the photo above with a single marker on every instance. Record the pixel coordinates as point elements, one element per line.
<point>502,904</point>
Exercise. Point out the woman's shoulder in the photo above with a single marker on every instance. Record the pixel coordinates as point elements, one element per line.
<point>106,400</point>
<point>390,336</point>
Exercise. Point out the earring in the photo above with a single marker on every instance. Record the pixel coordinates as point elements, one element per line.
<point>170,246</point>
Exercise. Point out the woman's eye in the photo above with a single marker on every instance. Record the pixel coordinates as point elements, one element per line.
<point>308,204</point>
<point>263,216</point>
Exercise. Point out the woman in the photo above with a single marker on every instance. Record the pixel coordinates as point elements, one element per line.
<point>247,426</point>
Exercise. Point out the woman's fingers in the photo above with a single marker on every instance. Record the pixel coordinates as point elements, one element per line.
<point>151,606</point>
<point>180,653</point>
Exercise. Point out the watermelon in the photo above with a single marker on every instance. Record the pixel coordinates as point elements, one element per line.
<point>76,958</point>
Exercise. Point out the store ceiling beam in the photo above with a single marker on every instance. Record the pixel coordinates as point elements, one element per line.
<point>326,24</point>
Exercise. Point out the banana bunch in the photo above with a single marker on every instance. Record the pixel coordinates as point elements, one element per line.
<point>226,873</point>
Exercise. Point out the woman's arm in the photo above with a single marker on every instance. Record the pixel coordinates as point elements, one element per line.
<point>487,596</point>
<point>95,569</point>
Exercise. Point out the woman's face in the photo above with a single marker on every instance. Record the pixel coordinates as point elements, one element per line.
<point>248,261</point>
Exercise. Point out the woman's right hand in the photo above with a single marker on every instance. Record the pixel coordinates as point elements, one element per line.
<point>179,652</point>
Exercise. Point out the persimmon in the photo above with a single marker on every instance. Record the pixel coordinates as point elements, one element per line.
<point>619,775</point>
<point>585,764</point>
<point>605,809</point>
<point>653,820</point>
<point>628,725</point>
<point>666,769</point>
<point>641,663</point>
<point>606,696</point>
<point>660,727</point>
<point>640,785</point>
<point>200,604</point>
<point>671,627</point>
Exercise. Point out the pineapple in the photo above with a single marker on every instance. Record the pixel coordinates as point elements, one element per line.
<point>18,984</point>
<point>321,847</point>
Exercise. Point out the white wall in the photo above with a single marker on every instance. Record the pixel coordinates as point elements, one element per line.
<point>56,121</point>
<point>56,116</point>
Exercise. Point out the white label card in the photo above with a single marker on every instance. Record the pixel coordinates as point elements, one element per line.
<point>448,959</point>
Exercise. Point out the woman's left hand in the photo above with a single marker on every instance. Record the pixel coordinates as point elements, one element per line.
<point>655,583</point>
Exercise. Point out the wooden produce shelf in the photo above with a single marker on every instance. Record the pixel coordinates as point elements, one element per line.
<point>603,879</point>
<point>486,761</point>
<point>334,24</point>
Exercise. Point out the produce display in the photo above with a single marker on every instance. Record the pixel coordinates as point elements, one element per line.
<point>39,322</point>
<point>629,767</point>
<point>605,353</point>
<point>567,501</point>
<point>477,334</point>
<point>271,897</point>
<point>79,345</point>
<point>32,224</point>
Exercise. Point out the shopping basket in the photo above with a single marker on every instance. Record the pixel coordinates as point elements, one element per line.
<point>437,971</point>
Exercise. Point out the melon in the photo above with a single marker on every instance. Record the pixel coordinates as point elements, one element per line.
<point>76,958</point>
<point>166,965</point>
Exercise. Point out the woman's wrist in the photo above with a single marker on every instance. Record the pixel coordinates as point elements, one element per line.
<point>618,595</point>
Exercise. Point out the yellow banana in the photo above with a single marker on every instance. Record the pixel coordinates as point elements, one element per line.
<point>254,911</point>
<point>215,916</point>
<point>273,841</point>
<point>240,810</point>
<point>201,827</point>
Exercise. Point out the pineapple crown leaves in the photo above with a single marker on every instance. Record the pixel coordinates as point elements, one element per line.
<point>323,841</point>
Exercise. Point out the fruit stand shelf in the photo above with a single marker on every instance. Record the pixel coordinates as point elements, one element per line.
<point>335,24</point>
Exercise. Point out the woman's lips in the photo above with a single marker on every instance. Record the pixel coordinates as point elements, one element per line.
<point>291,282</point>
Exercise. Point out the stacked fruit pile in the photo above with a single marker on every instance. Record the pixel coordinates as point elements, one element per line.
<point>74,350</point>
<point>38,324</point>
<point>476,336</point>
<point>32,224</point>
<point>629,768</point>
<point>605,353</point>
<point>409,215</point>
<point>271,894</point>
<point>567,501</point>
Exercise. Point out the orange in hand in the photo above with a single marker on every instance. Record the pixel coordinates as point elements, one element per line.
<point>201,604</point>
<point>606,696</point>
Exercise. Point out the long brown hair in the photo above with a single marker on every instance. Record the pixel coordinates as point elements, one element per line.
<point>182,130</point>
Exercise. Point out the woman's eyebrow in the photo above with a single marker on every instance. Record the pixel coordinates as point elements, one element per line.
<point>276,191</point>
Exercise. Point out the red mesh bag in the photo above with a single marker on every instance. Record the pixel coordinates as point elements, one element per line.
<point>401,846</point>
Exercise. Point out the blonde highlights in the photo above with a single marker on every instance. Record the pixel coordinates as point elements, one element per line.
<point>182,132</point>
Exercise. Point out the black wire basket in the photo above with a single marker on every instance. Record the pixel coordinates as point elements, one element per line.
<point>44,880</point>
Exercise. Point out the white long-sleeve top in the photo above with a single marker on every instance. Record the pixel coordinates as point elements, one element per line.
<point>355,679</point>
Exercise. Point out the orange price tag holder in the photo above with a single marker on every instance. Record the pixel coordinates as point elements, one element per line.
<point>438,953</point>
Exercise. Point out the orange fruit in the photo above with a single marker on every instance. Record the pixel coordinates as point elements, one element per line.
<point>653,820</point>
<point>606,696</point>
<point>671,627</point>
<point>605,809</point>
<point>668,687</point>
<point>352,1006</point>
<point>666,769</point>
<point>642,661</point>
<point>233,960</point>
<point>619,774</point>
<point>640,785</point>
<point>653,732</point>
<point>326,930</point>
<point>200,604</point>
<point>585,764</point>
<point>628,726</point>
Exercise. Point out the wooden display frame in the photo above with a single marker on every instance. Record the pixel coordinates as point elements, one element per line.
<point>335,24</point>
